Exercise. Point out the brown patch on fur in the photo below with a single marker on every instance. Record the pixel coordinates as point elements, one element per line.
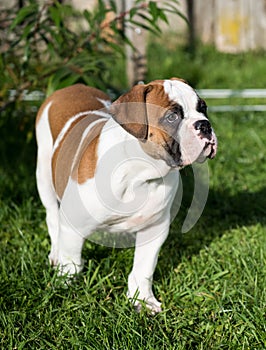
<point>140,108</point>
<point>139,112</point>
<point>157,104</point>
<point>129,110</point>
<point>70,101</point>
<point>157,96</point>
<point>86,160</point>
<point>64,155</point>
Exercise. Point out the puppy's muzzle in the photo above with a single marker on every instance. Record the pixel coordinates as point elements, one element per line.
<point>205,132</point>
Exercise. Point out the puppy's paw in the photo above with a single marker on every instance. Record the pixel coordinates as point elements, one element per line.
<point>53,259</point>
<point>151,304</point>
<point>69,268</point>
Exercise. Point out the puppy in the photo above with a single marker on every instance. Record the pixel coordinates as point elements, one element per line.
<point>114,167</point>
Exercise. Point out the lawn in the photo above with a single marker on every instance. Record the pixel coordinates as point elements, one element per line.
<point>210,280</point>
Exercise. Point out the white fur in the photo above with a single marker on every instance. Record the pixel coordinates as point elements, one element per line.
<point>106,103</point>
<point>44,180</point>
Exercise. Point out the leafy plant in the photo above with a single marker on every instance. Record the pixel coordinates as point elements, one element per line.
<point>53,45</point>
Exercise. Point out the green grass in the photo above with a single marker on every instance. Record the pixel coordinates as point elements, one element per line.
<point>210,280</point>
<point>206,68</point>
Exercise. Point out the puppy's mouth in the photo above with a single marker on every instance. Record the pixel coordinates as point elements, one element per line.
<point>212,153</point>
<point>209,151</point>
<point>175,159</point>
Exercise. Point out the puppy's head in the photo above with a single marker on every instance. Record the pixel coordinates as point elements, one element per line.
<point>169,119</point>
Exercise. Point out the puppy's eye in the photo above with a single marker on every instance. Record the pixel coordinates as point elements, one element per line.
<point>172,117</point>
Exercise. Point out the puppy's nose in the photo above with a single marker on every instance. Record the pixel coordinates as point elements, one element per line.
<point>204,127</point>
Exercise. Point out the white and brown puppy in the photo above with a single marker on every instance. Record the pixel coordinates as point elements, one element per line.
<point>115,167</point>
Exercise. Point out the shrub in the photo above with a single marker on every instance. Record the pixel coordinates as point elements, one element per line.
<point>43,47</point>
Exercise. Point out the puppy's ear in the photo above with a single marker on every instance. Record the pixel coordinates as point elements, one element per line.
<point>129,110</point>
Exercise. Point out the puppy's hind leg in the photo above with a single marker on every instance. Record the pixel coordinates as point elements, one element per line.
<point>44,182</point>
<point>70,244</point>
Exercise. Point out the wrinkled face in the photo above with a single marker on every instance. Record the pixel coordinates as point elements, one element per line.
<point>170,120</point>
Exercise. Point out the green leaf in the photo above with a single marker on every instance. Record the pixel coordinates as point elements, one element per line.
<point>27,30</point>
<point>132,12</point>
<point>153,9</point>
<point>56,78</point>
<point>71,79</point>
<point>23,14</point>
<point>87,16</point>
<point>117,48</point>
<point>113,5</point>
<point>169,8</point>
<point>163,16</point>
<point>55,16</point>
<point>153,28</point>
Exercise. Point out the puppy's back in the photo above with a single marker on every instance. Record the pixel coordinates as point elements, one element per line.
<point>70,101</point>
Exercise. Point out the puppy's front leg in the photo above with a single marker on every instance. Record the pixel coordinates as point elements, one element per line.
<point>148,244</point>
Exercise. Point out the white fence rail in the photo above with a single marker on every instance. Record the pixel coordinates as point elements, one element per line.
<point>231,94</point>
<point>204,93</point>
<point>228,93</point>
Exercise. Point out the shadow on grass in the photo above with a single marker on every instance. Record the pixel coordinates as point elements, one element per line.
<point>223,211</point>
<point>17,154</point>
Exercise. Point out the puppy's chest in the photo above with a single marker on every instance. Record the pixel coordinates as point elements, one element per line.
<point>139,207</point>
